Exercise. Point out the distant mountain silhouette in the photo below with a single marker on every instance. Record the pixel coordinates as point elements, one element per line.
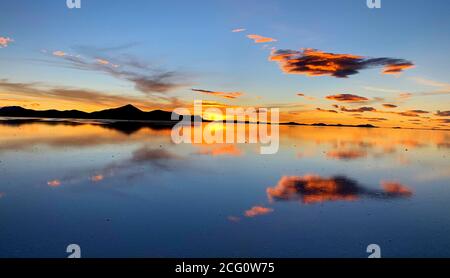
<point>336,125</point>
<point>127,112</point>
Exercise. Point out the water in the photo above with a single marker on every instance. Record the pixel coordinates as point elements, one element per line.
<point>328,192</point>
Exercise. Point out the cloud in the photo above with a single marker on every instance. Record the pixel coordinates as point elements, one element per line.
<point>238,30</point>
<point>314,62</point>
<point>59,53</point>
<point>310,189</point>
<point>388,105</point>
<point>260,39</point>
<point>347,98</point>
<point>5,41</point>
<point>358,110</point>
<point>325,110</point>
<point>257,211</point>
<point>146,78</point>
<point>305,96</point>
<point>80,95</point>
<point>443,113</point>
<point>229,95</point>
<point>411,113</point>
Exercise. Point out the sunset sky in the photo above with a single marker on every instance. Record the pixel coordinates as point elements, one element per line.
<point>318,61</point>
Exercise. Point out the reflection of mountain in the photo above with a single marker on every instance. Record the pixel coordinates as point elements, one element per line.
<point>322,124</point>
<point>126,127</point>
<point>314,189</point>
<point>127,112</point>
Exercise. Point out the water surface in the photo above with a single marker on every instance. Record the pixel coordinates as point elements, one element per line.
<point>131,192</point>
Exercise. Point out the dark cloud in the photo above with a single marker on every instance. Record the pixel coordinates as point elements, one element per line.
<point>388,105</point>
<point>443,113</point>
<point>358,110</point>
<point>314,62</point>
<point>325,110</point>
<point>347,98</point>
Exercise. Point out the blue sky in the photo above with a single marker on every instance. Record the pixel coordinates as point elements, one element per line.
<point>195,39</point>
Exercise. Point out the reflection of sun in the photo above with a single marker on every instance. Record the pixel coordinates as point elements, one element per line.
<point>214,116</point>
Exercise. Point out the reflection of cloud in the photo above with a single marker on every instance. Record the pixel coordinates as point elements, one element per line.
<point>314,62</point>
<point>311,189</point>
<point>54,183</point>
<point>347,98</point>
<point>97,178</point>
<point>346,154</point>
<point>396,188</point>
<point>230,95</point>
<point>234,218</point>
<point>231,150</point>
<point>144,156</point>
<point>260,39</point>
<point>257,211</point>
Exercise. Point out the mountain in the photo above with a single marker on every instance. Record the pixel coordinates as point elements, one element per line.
<point>127,112</point>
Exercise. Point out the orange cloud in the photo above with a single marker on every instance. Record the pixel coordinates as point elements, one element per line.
<point>257,211</point>
<point>260,39</point>
<point>347,98</point>
<point>314,62</point>
<point>397,68</point>
<point>229,95</point>
<point>4,41</point>
<point>54,183</point>
<point>59,53</point>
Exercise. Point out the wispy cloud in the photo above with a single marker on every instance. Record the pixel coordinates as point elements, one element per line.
<point>229,95</point>
<point>47,92</point>
<point>314,62</point>
<point>146,78</point>
<point>237,30</point>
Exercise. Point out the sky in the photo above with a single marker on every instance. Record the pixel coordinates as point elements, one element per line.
<point>318,61</point>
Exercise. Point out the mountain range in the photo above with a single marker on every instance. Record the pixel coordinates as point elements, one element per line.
<point>127,112</point>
